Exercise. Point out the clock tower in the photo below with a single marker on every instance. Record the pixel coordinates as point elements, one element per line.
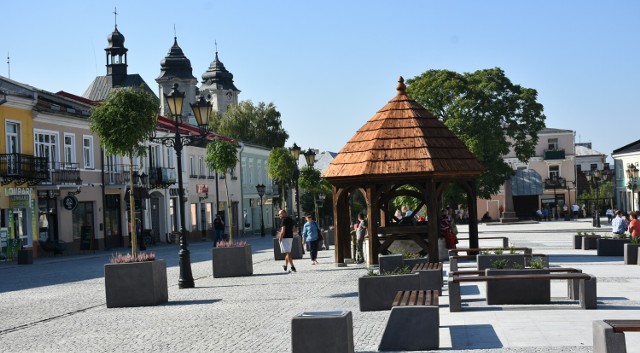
<point>218,83</point>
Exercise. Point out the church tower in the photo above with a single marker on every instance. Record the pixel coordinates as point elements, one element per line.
<point>176,68</point>
<point>218,83</point>
<point>116,58</point>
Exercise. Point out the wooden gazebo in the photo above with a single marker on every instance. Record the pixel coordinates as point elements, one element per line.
<point>402,144</point>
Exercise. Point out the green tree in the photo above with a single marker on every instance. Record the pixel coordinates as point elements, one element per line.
<point>280,167</point>
<point>489,113</point>
<point>126,119</point>
<point>313,184</point>
<point>222,156</point>
<point>259,124</point>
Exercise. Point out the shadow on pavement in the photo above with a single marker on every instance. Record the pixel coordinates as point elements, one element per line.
<point>583,258</point>
<point>192,302</point>
<point>474,337</point>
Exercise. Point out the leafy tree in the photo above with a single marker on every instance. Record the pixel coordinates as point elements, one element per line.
<point>222,156</point>
<point>489,113</point>
<point>604,191</point>
<point>259,124</point>
<point>313,184</point>
<point>280,167</point>
<point>123,122</point>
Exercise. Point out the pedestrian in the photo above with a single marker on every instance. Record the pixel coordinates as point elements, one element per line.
<point>361,234</point>
<point>575,209</point>
<point>310,234</point>
<point>634,225</point>
<point>286,239</point>
<point>609,214</point>
<point>545,213</point>
<point>218,227</point>
<point>446,230</point>
<point>619,224</point>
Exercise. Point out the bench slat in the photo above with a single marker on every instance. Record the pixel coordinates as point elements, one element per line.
<point>412,297</point>
<point>624,325</point>
<point>396,300</point>
<point>513,277</point>
<point>416,298</point>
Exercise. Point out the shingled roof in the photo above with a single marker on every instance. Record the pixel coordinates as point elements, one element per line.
<point>403,138</point>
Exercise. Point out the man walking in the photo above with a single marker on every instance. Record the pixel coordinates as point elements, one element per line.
<point>286,239</point>
<point>218,227</point>
<point>361,234</point>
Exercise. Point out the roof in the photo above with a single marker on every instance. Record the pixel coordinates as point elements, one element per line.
<point>102,85</point>
<point>550,130</point>
<point>632,147</point>
<point>403,139</point>
<point>175,65</point>
<point>526,182</point>
<point>217,77</point>
<point>583,151</point>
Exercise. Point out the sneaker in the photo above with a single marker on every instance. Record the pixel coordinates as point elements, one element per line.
<point>284,267</point>
<point>293,268</point>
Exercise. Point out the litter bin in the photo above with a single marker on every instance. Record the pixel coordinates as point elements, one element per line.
<point>322,331</point>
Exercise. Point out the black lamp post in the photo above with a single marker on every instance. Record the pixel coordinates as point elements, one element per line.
<point>632,183</point>
<point>321,198</point>
<point>295,153</point>
<point>595,177</point>
<point>260,188</point>
<point>201,110</point>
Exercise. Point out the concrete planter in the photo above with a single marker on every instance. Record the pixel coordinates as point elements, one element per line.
<point>376,293</point>
<point>518,291</point>
<point>611,247</point>
<point>577,241</point>
<point>486,261</point>
<point>232,262</point>
<point>321,332</point>
<point>590,242</point>
<point>136,284</point>
<point>390,263</point>
<point>296,249</point>
<point>631,254</point>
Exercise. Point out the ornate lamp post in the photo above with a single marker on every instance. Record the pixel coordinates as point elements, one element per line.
<point>260,188</point>
<point>201,110</point>
<point>295,153</point>
<point>321,198</point>
<point>595,177</point>
<point>632,183</point>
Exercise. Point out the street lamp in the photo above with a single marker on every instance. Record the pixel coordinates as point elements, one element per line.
<point>201,110</point>
<point>260,188</point>
<point>595,177</point>
<point>632,183</point>
<point>295,153</point>
<point>321,198</point>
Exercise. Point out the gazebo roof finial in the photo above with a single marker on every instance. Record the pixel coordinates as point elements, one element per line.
<point>401,86</point>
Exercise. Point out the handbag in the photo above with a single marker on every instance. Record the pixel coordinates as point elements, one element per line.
<point>320,238</point>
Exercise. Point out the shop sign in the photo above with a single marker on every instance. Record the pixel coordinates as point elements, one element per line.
<point>48,194</point>
<point>17,191</point>
<point>69,202</point>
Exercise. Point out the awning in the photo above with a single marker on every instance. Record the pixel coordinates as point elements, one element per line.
<point>526,182</point>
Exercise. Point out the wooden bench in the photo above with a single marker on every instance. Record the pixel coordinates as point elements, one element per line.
<point>431,275</point>
<point>608,335</point>
<point>414,322</point>
<point>587,286</point>
<point>453,260</point>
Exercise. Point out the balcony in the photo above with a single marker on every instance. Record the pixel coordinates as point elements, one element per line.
<point>64,173</point>
<point>161,178</point>
<point>555,183</point>
<point>553,154</point>
<point>116,174</point>
<point>23,168</point>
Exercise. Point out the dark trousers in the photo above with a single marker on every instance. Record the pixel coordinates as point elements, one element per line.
<point>313,246</point>
<point>360,254</point>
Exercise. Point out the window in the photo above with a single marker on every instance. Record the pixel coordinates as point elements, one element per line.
<point>245,171</point>
<point>553,144</point>
<point>46,145</point>
<point>87,151</point>
<point>170,157</point>
<point>201,167</point>
<point>250,171</point>
<point>554,171</point>
<point>593,166</point>
<point>579,167</point>
<point>155,157</point>
<point>13,137</point>
<point>192,167</point>
<point>69,148</point>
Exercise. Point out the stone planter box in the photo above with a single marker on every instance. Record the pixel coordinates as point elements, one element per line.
<point>232,262</point>
<point>136,284</point>
<point>518,291</point>
<point>611,247</point>
<point>296,249</point>
<point>486,261</point>
<point>590,242</point>
<point>321,332</point>
<point>631,254</point>
<point>577,241</point>
<point>25,257</point>
<point>376,293</point>
<point>390,263</point>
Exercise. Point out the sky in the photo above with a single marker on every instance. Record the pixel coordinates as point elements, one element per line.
<point>329,65</point>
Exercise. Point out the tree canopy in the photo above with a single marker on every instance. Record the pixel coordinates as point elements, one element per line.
<point>221,156</point>
<point>280,167</point>
<point>489,113</point>
<point>259,124</point>
<point>123,122</point>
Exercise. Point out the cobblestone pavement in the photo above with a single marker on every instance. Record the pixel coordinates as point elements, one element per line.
<point>58,304</point>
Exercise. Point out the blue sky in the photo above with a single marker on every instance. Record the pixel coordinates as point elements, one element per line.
<point>328,66</point>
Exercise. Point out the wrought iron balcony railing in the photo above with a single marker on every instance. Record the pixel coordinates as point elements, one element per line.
<point>23,168</point>
<point>64,173</point>
<point>555,183</point>
<point>161,178</point>
<point>554,154</point>
<point>117,174</point>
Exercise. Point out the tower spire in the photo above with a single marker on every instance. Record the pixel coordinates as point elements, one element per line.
<point>115,15</point>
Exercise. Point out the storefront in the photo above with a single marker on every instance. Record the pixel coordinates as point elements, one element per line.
<point>18,215</point>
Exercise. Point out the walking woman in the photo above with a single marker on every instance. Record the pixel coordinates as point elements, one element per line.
<point>310,234</point>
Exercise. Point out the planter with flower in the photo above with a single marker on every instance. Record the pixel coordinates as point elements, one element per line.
<point>513,258</point>
<point>138,280</point>
<point>377,290</point>
<point>518,291</point>
<point>631,251</point>
<point>232,259</point>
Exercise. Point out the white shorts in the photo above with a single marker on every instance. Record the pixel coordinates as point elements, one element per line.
<point>285,245</point>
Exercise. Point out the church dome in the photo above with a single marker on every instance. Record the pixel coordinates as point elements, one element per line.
<point>175,64</point>
<point>116,39</point>
<point>217,77</point>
